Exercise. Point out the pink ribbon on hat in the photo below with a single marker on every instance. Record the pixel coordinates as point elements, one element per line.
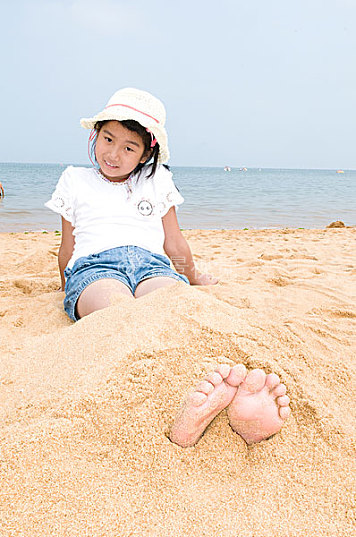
<point>132,108</point>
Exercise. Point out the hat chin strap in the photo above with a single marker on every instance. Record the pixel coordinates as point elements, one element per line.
<point>132,108</point>
<point>93,134</point>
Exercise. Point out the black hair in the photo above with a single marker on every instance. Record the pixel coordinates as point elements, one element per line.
<point>145,136</point>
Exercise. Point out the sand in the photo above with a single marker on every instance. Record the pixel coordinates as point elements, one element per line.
<point>86,408</point>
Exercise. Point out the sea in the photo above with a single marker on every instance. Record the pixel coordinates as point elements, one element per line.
<point>253,198</point>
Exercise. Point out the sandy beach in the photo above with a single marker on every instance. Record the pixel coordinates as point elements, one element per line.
<point>86,408</point>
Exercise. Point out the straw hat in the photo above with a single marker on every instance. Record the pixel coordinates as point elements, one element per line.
<point>141,106</point>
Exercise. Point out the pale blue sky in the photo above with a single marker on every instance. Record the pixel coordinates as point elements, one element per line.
<point>245,83</point>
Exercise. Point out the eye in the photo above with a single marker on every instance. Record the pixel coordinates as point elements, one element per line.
<point>129,149</point>
<point>108,139</point>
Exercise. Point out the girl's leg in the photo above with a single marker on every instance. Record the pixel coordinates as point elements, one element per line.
<point>99,295</point>
<point>151,284</point>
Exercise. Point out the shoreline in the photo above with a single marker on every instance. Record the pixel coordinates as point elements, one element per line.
<point>329,226</point>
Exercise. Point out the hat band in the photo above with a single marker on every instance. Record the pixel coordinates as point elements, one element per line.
<point>132,108</point>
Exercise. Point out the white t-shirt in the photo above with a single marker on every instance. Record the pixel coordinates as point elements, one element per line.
<point>107,215</point>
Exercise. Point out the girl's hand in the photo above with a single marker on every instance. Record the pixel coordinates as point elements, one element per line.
<point>204,279</point>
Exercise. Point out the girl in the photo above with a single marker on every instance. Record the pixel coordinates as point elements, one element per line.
<point>118,221</point>
<point>119,218</point>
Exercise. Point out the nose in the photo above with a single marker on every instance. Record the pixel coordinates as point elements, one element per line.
<point>115,155</point>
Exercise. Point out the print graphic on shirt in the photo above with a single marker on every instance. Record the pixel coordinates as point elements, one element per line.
<point>161,207</point>
<point>145,207</point>
<point>61,204</point>
<point>169,196</point>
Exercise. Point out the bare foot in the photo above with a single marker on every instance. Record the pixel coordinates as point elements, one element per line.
<point>200,407</point>
<point>259,407</point>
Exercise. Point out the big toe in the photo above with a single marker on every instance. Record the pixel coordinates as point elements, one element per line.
<point>236,375</point>
<point>255,380</point>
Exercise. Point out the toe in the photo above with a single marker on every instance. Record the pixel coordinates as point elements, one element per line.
<point>283,401</point>
<point>205,387</point>
<point>284,412</point>
<point>214,378</point>
<point>255,380</point>
<point>280,390</point>
<point>198,398</point>
<point>236,375</point>
<point>223,370</point>
<point>272,380</point>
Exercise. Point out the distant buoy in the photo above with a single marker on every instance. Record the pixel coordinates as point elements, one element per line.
<point>340,171</point>
<point>243,169</point>
<point>227,169</point>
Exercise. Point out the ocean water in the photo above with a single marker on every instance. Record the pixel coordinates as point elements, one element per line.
<point>214,198</point>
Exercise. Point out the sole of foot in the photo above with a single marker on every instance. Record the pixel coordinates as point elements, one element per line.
<point>260,407</point>
<point>201,406</point>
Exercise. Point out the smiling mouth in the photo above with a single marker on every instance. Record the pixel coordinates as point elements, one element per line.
<point>110,165</point>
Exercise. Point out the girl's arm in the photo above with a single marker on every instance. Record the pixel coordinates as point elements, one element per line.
<point>177,249</point>
<point>66,248</point>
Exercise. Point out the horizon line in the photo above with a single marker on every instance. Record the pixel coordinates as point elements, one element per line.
<point>240,168</point>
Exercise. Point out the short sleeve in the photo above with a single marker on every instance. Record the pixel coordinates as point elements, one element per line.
<point>166,191</point>
<point>62,200</point>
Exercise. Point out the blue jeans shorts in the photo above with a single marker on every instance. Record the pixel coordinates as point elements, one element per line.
<point>128,264</point>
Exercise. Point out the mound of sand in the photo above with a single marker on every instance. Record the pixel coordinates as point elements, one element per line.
<point>86,408</point>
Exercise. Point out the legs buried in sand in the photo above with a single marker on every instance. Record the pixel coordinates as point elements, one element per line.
<point>257,405</point>
<point>99,294</point>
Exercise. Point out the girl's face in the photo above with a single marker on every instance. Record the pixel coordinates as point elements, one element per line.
<point>118,151</point>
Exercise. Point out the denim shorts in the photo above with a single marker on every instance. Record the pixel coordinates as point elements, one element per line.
<point>128,264</point>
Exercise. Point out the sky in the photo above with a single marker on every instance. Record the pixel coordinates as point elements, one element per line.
<point>245,82</point>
